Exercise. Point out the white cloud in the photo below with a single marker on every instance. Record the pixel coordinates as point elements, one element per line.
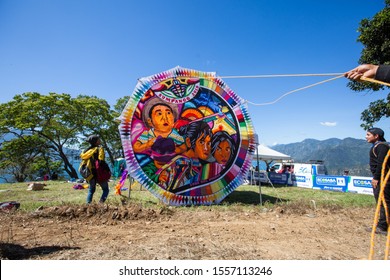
<point>328,123</point>
<point>210,62</point>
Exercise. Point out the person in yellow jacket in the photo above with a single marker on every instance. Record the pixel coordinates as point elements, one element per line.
<point>89,156</point>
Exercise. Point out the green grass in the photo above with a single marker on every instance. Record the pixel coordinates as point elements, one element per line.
<point>281,195</point>
<point>58,193</point>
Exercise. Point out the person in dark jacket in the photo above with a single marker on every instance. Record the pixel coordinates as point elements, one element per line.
<point>378,152</point>
<point>377,72</point>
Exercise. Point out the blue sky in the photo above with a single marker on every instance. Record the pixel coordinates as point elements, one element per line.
<point>101,48</point>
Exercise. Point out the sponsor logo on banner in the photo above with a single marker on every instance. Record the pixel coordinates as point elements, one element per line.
<point>299,178</point>
<point>277,178</point>
<point>362,183</point>
<point>305,181</point>
<point>331,188</point>
<point>334,181</point>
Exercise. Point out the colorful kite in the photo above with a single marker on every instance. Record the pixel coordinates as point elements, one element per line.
<point>187,137</point>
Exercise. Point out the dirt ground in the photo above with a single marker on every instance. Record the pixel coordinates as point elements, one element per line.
<point>102,232</point>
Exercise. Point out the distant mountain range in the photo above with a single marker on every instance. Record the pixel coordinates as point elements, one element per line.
<point>347,154</point>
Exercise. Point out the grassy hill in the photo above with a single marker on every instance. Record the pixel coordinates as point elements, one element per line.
<point>57,193</point>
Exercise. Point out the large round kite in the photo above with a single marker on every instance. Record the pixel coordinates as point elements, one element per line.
<point>187,137</point>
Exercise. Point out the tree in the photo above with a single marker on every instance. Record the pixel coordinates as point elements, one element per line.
<point>59,121</point>
<point>19,157</point>
<point>101,120</point>
<point>375,37</point>
<point>118,108</point>
<point>52,118</point>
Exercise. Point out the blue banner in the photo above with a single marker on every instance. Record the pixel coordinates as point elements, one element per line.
<point>280,178</point>
<point>331,183</point>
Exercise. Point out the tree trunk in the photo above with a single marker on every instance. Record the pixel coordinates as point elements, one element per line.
<point>69,169</point>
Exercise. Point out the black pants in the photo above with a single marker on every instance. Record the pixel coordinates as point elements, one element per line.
<point>382,224</point>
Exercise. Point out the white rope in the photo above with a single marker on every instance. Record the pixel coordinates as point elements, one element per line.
<point>281,75</point>
<point>338,75</point>
<point>295,90</point>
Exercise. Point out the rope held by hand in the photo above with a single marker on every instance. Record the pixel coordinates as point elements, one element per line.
<point>383,182</point>
<point>338,75</point>
<point>295,90</point>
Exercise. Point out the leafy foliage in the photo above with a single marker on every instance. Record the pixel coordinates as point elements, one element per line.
<point>375,112</point>
<point>56,122</point>
<point>375,37</point>
<point>98,118</point>
<point>20,156</point>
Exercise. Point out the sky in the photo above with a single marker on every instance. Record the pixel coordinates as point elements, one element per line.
<point>102,47</point>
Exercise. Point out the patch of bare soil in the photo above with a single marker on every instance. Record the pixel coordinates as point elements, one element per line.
<point>102,232</point>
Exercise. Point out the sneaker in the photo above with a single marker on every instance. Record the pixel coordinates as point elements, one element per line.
<point>377,231</point>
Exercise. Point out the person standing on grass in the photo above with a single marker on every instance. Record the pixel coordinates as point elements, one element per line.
<point>94,152</point>
<point>378,152</point>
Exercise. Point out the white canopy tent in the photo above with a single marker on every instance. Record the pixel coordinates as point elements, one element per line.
<point>268,155</point>
<point>265,153</point>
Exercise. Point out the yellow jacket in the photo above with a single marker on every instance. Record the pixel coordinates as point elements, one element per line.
<point>86,157</point>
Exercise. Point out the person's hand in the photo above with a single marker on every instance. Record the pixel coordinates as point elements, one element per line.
<point>364,70</point>
<point>150,142</point>
<point>374,183</point>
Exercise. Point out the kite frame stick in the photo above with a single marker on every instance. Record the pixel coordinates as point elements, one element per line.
<point>374,81</point>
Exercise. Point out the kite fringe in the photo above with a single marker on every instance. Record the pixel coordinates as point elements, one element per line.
<point>120,184</point>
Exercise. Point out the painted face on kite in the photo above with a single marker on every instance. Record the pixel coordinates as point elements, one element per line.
<point>187,137</point>
<point>203,147</point>
<point>162,119</point>
<point>222,147</point>
<point>223,152</point>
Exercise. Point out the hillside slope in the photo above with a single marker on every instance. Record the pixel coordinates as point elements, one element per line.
<point>338,154</point>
